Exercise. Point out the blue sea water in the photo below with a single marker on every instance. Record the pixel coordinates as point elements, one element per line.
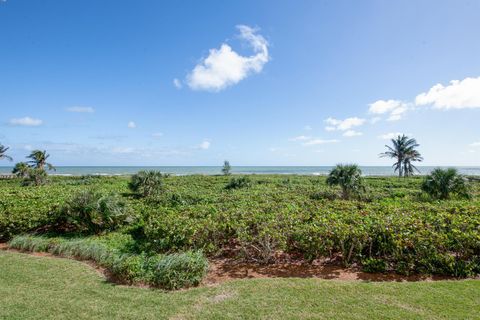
<point>212,170</point>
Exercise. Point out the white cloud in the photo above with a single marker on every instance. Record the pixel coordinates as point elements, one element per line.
<point>26,121</point>
<point>343,125</point>
<point>131,125</point>
<point>204,145</point>
<point>81,109</point>
<point>224,67</point>
<point>157,134</point>
<point>395,108</point>
<point>314,142</point>
<point>177,83</point>
<point>300,138</point>
<point>308,128</point>
<point>352,133</point>
<point>384,106</point>
<point>390,135</point>
<point>475,144</point>
<point>459,94</point>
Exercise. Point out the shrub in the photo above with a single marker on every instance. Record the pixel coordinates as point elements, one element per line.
<point>180,270</point>
<point>237,183</point>
<point>91,212</point>
<point>348,177</point>
<point>146,183</point>
<point>21,169</point>
<point>374,265</point>
<point>35,177</point>
<point>442,183</point>
<point>170,272</point>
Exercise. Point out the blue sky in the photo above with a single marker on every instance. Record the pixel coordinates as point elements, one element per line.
<point>255,82</point>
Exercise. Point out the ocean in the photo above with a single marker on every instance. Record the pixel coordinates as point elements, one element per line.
<point>212,170</point>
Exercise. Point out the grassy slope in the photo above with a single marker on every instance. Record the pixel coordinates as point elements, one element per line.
<point>42,288</point>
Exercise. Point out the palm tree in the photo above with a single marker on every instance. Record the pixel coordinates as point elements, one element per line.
<point>3,150</point>
<point>21,169</point>
<point>442,183</point>
<point>39,160</point>
<point>348,177</point>
<point>404,152</point>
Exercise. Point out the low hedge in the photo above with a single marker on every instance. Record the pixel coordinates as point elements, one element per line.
<point>170,272</point>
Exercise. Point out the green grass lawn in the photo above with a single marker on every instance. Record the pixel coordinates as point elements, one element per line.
<point>34,287</point>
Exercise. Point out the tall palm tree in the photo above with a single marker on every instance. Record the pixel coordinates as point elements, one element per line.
<point>39,160</point>
<point>3,150</point>
<point>403,150</point>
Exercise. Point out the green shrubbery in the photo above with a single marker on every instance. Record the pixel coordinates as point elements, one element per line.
<point>92,212</point>
<point>146,183</point>
<point>238,182</point>
<point>175,271</point>
<point>297,215</point>
<point>443,183</point>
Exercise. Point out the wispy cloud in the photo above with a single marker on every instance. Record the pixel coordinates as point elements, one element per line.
<point>343,125</point>
<point>314,142</point>
<point>352,133</point>
<point>224,67</point>
<point>390,135</point>
<point>131,125</point>
<point>300,138</point>
<point>204,145</point>
<point>157,135</point>
<point>81,109</point>
<point>475,144</point>
<point>26,121</point>
<point>177,83</point>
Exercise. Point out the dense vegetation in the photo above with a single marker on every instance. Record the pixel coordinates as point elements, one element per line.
<point>393,226</point>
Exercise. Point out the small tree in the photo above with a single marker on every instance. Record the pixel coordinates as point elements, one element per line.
<point>442,183</point>
<point>146,183</point>
<point>226,168</point>
<point>21,170</point>
<point>348,177</point>
<point>404,151</point>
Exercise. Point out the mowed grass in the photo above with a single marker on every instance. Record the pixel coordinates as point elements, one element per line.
<point>33,287</point>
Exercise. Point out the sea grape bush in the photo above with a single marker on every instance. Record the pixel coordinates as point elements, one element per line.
<point>396,229</point>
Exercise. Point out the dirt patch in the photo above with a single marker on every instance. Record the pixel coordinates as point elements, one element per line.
<point>222,270</point>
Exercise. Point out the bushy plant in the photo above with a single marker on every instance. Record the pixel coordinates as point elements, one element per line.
<point>21,169</point>
<point>146,183</point>
<point>238,182</point>
<point>35,177</point>
<point>373,265</point>
<point>92,212</point>
<point>443,183</point>
<point>349,178</point>
<point>170,272</point>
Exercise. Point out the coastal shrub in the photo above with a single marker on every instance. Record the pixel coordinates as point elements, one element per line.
<point>349,178</point>
<point>374,265</point>
<point>92,212</point>
<point>34,177</point>
<point>442,183</point>
<point>238,182</point>
<point>170,272</point>
<point>146,183</point>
